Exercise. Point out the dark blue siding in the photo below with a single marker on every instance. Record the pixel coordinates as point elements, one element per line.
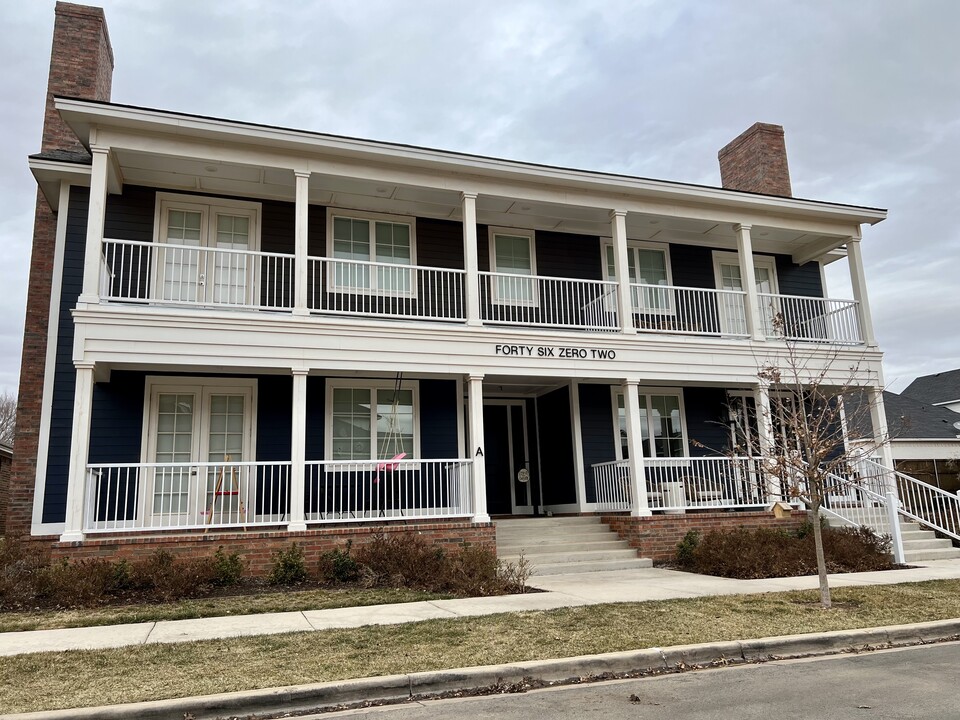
<point>61,415</point>
<point>596,430</point>
<point>274,416</point>
<point>692,266</point>
<point>556,447</point>
<point>438,419</point>
<point>440,243</point>
<point>116,424</point>
<point>315,410</point>
<point>706,411</point>
<point>798,279</point>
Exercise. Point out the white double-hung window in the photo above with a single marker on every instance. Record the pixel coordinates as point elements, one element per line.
<point>513,260</point>
<point>371,253</point>
<point>662,425</point>
<point>207,250</point>
<point>371,420</point>
<point>648,266</point>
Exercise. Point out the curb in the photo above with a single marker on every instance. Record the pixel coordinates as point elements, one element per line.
<point>512,677</point>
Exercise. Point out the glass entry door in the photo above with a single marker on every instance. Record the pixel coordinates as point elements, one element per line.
<point>732,311</point>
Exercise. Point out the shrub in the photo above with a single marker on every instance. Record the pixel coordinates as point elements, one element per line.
<point>165,577</point>
<point>21,567</point>
<point>83,583</point>
<point>339,566</point>
<point>289,567</point>
<point>227,569</point>
<point>687,547</point>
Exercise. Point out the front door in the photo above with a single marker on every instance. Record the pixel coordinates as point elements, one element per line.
<point>507,461</point>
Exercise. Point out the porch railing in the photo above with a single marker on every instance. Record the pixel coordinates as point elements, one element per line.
<point>687,483</point>
<point>535,300</point>
<point>169,274</point>
<point>811,319</point>
<point>371,490</point>
<point>181,496</point>
<point>354,287</point>
<point>689,311</point>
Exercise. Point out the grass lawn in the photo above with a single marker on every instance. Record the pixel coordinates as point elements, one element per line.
<point>94,677</point>
<point>314,599</point>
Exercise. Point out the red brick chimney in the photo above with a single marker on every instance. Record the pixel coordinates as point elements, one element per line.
<point>756,161</point>
<point>81,65</point>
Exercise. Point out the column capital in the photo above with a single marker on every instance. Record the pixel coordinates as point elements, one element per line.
<point>741,227</point>
<point>475,376</point>
<point>302,173</point>
<point>299,371</point>
<point>464,194</point>
<point>630,381</point>
<point>99,149</point>
<point>617,213</point>
<point>84,365</point>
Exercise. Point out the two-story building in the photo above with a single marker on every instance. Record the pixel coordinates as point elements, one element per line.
<point>233,326</point>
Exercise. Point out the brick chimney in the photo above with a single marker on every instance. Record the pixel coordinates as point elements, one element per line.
<point>756,161</point>
<point>81,65</point>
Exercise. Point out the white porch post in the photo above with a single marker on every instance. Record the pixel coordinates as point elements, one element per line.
<point>298,451</point>
<point>301,271</point>
<point>631,406</point>
<point>618,230</point>
<point>79,451</point>
<point>475,447</point>
<point>881,433</point>
<point>859,283</point>
<point>578,471</point>
<point>761,396</point>
<point>748,277</point>
<point>470,263</point>
<point>95,215</point>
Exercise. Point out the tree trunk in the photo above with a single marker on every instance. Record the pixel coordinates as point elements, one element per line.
<point>814,517</point>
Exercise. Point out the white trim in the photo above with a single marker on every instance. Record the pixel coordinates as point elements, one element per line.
<point>579,476</point>
<point>373,385</point>
<point>371,217</point>
<point>530,235</point>
<point>37,526</point>
<point>508,403</point>
<point>647,391</point>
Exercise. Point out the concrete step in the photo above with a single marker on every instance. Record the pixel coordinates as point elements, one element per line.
<point>535,538</point>
<point>926,544</point>
<point>585,556</point>
<point>947,553</point>
<point>563,568</point>
<point>544,522</point>
<point>565,546</point>
<point>918,535</point>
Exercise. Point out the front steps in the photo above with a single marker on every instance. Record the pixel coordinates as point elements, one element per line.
<point>561,545</point>
<point>918,544</point>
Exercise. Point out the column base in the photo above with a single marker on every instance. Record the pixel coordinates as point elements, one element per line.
<point>641,512</point>
<point>483,518</point>
<point>297,527</point>
<point>72,537</point>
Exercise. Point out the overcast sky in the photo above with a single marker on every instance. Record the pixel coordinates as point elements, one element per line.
<point>867,90</point>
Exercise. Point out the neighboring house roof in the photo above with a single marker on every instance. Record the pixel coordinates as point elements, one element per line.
<point>941,387</point>
<point>71,156</point>
<point>907,418</point>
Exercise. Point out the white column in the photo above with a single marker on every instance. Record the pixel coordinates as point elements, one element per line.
<point>748,276</point>
<point>578,470</point>
<point>761,396</point>
<point>631,406</point>
<point>859,282</point>
<point>79,451</point>
<point>298,451</point>
<point>470,263</point>
<point>618,229</point>
<point>301,269</point>
<point>881,433</point>
<point>95,216</point>
<point>475,447</point>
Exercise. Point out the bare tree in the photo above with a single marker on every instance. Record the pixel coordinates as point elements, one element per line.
<point>8,417</point>
<point>807,449</point>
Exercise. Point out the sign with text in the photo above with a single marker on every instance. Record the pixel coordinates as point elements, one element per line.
<point>556,351</point>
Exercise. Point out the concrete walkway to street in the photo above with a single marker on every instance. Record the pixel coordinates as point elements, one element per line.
<point>559,591</point>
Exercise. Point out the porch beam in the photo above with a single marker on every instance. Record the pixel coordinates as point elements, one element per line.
<point>471,265</point>
<point>79,452</point>
<point>95,217</point>
<point>748,278</point>
<point>858,281</point>
<point>618,230</point>
<point>298,452</point>
<point>301,271</point>
<point>638,480</point>
<point>475,447</point>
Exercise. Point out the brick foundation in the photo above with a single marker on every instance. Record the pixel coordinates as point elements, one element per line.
<point>656,537</point>
<point>257,547</point>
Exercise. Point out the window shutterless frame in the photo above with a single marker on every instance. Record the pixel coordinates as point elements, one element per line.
<point>646,399</point>
<point>646,299</point>
<point>515,282</point>
<point>371,274</point>
<point>726,268</point>
<point>373,439</point>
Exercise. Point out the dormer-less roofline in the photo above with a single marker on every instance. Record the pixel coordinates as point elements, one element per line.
<point>82,115</point>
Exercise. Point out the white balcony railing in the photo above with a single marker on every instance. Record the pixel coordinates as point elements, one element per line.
<point>687,483</point>
<point>181,496</point>
<point>689,311</point>
<point>163,273</point>
<point>354,287</point>
<point>811,319</point>
<point>535,300</point>
<point>371,490</point>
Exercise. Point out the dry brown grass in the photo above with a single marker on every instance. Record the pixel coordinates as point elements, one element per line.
<point>81,678</point>
<point>268,602</point>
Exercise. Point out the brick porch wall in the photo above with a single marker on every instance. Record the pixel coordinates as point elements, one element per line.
<point>258,547</point>
<point>656,537</point>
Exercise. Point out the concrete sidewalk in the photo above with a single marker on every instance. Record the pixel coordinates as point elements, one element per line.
<point>559,591</point>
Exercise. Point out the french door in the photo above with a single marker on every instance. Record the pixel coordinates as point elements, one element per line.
<point>203,259</point>
<point>733,319</point>
<point>198,435</point>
